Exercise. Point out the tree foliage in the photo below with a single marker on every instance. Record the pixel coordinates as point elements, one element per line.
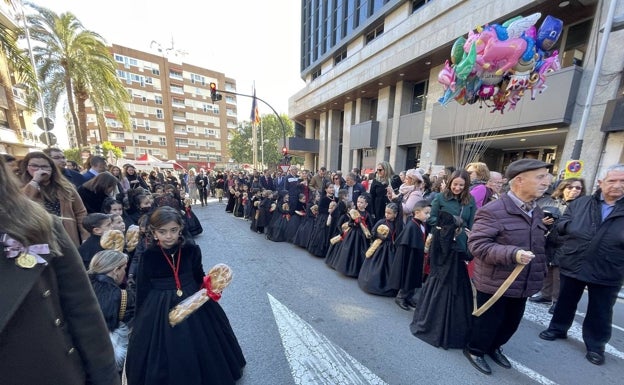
<point>74,154</point>
<point>108,146</point>
<point>76,62</point>
<point>272,133</point>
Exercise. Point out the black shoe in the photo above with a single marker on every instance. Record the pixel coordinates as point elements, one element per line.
<point>478,362</point>
<point>595,358</point>
<point>411,303</point>
<point>498,357</point>
<point>551,310</point>
<point>402,302</point>
<point>540,299</point>
<point>551,335</point>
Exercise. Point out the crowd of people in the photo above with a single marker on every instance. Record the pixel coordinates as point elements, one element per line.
<point>465,249</point>
<point>127,250</point>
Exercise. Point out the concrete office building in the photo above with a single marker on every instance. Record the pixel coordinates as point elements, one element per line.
<point>371,70</point>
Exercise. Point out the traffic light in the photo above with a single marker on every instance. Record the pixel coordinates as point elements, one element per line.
<point>214,95</point>
<point>284,151</point>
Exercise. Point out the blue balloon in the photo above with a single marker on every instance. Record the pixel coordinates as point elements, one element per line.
<point>548,33</point>
<point>529,52</point>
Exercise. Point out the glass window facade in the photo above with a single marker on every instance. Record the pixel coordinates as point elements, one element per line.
<point>327,25</point>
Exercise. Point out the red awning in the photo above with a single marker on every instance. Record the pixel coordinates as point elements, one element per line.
<point>148,158</point>
<point>176,165</point>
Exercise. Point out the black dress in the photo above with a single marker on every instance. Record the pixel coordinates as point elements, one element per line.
<point>354,247</point>
<point>319,240</point>
<point>374,277</point>
<point>302,237</point>
<point>277,230</point>
<point>406,272</point>
<point>229,193</point>
<point>333,252</point>
<point>444,306</point>
<point>295,221</point>
<point>264,214</point>
<point>201,349</point>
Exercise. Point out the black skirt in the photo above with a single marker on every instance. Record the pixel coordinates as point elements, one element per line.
<point>200,350</point>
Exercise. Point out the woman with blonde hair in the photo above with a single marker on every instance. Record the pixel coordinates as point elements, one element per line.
<point>479,176</point>
<point>384,178</point>
<point>107,271</point>
<point>192,186</point>
<point>44,183</point>
<point>51,328</point>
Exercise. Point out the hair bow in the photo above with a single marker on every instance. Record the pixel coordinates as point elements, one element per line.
<point>15,248</point>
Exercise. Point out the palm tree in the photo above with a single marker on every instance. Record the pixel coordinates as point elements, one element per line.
<point>14,62</point>
<point>76,62</point>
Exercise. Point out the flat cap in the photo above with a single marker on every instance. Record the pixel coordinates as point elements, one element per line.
<point>522,165</point>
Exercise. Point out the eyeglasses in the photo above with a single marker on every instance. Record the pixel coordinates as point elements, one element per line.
<point>44,167</point>
<point>379,169</point>
<point>574,188</point>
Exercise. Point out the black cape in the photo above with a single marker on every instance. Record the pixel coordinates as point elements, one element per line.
<point>374,277</point>
<point>444,305</point>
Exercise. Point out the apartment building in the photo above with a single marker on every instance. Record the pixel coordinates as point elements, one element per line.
<point>371,71</point>
<point>173,117</point>
<point>18,132</point>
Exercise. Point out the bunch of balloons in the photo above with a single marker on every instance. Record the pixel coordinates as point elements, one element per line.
<point>498,63</point>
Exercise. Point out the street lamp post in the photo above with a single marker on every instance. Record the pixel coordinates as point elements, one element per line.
<point>279,118</point>
<point>602,49</point>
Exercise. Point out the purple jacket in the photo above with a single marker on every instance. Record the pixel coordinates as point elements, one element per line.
<point>500,229</point>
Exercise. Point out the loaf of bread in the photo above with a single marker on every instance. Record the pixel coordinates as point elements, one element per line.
<point>113,240</point>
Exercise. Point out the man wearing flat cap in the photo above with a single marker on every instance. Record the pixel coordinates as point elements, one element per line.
<point>506,233</point>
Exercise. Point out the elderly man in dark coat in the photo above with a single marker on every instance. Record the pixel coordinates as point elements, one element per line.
<point>592,257</point>
<point>506,233</point>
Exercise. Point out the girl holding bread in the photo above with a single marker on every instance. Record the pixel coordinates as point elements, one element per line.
<point>201,349</point>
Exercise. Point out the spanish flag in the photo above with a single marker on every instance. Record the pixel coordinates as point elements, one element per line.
<point>255,114</point>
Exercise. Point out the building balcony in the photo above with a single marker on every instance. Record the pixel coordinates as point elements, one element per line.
<point>411,128</point>
<point>614,116</point>
<point>302,145</point>
<point>364,135</point>
<point>553,107</point>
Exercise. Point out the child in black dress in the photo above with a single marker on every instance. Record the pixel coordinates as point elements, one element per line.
<point>356,241</point>
<point>297,213</point>
<point>406,273</point>
<point>374,277</point>
<point>319,239</point>
<point>302,237</point>
<point>201,349</point>
<point>264,211</point>
<point>277,231</point>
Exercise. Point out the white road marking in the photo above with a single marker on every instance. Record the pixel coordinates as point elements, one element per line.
<point>531,374</point>
<point>539,314</point>
<point>313,359</point>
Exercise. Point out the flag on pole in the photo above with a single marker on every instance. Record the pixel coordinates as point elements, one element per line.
<point>255,114</point>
